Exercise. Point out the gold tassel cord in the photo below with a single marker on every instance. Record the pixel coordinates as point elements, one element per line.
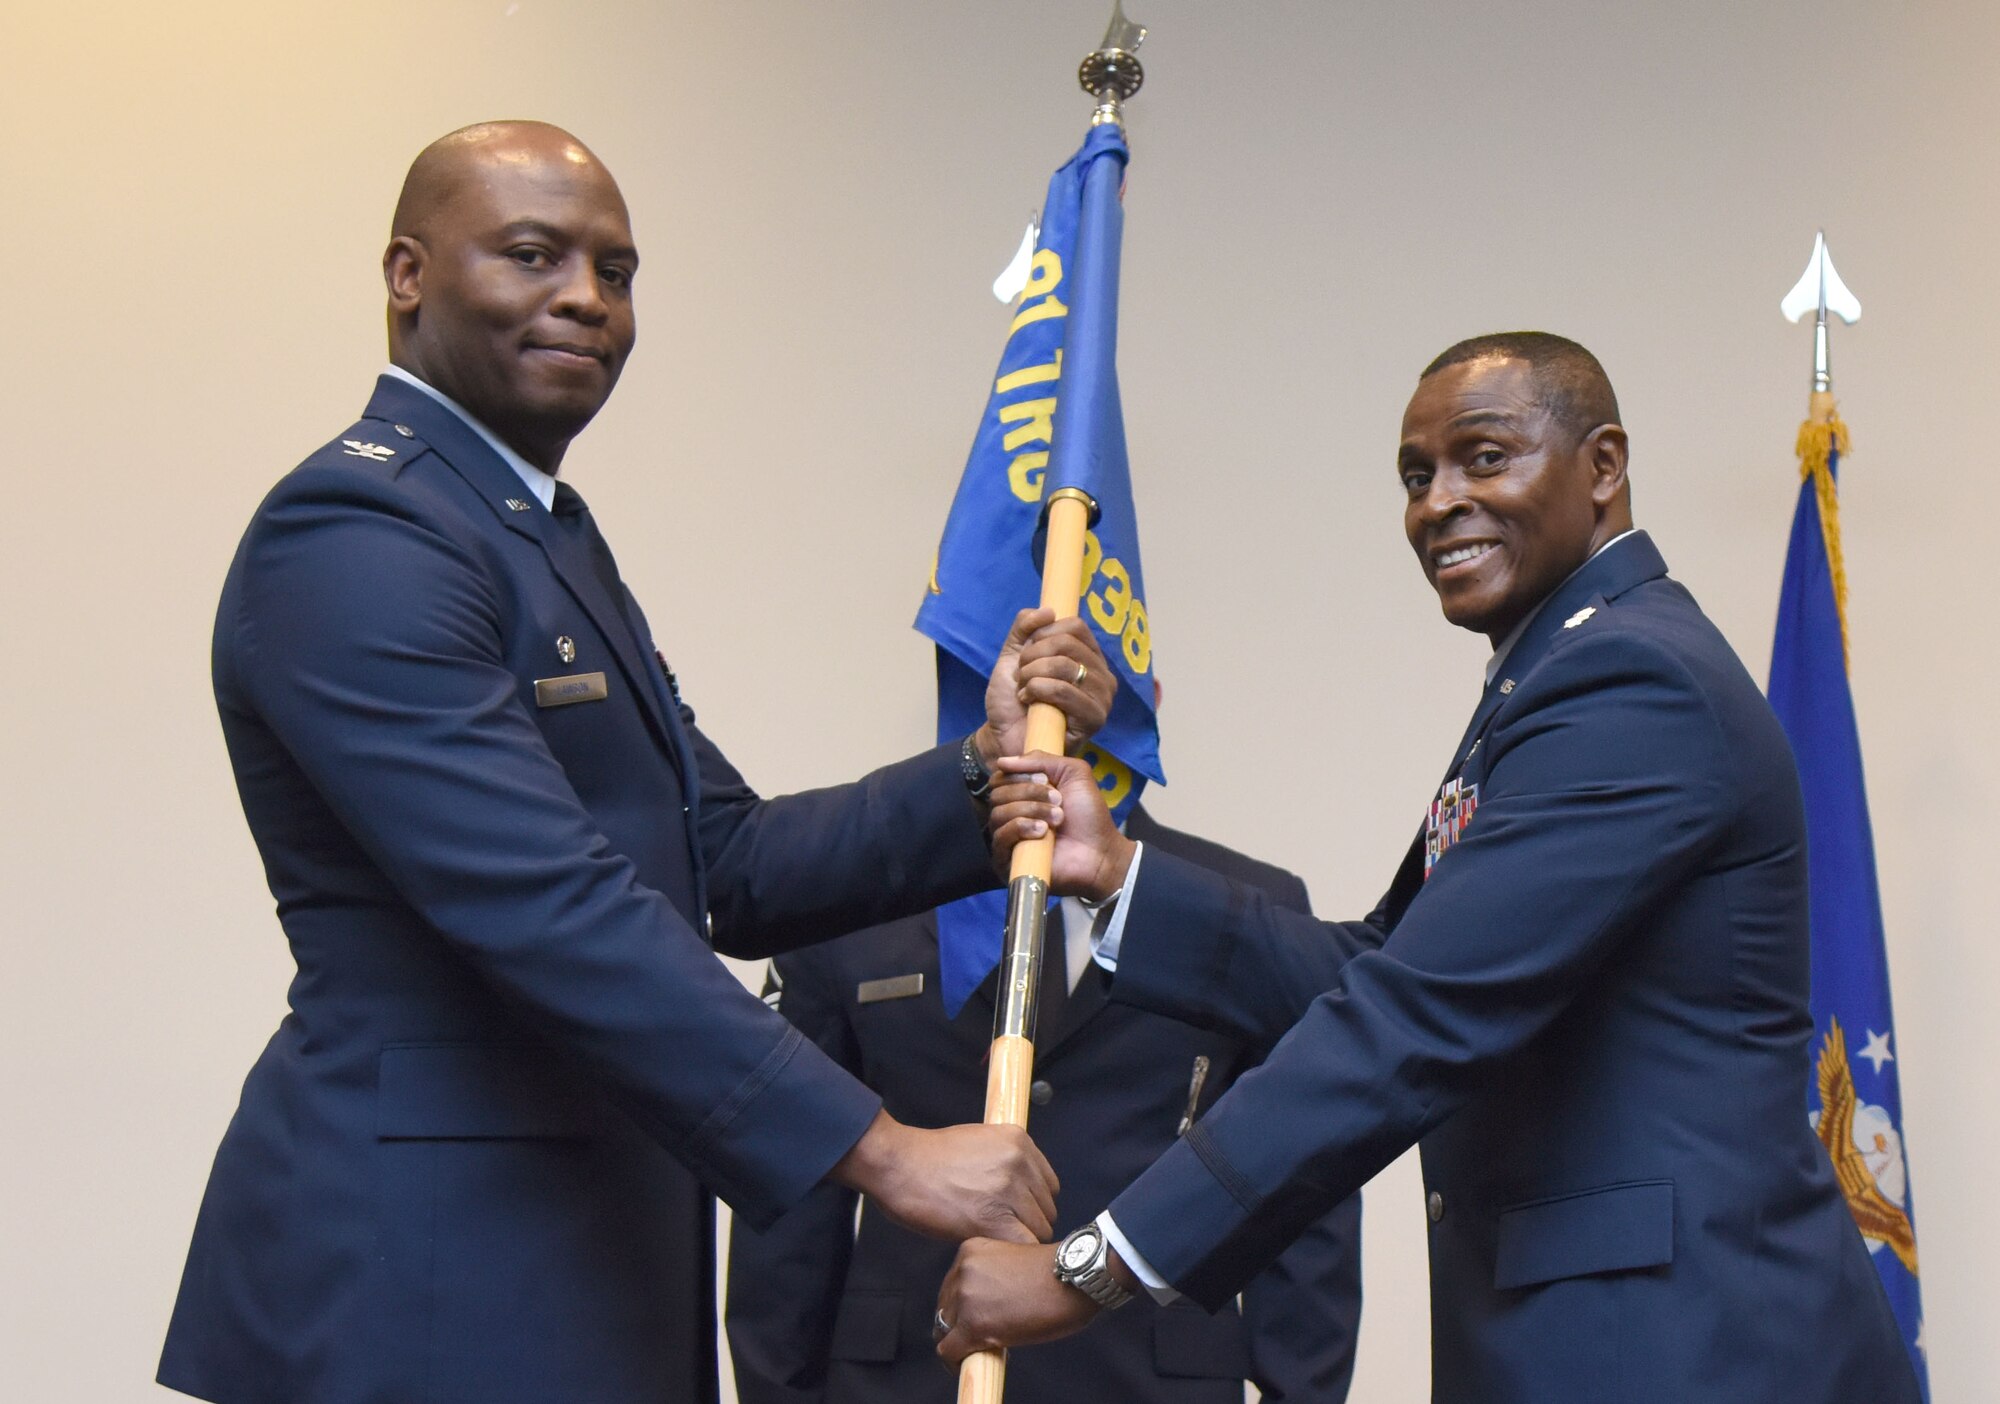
<point>1820,437</point>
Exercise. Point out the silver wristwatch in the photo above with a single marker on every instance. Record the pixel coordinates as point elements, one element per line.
<point>1083,1261</point>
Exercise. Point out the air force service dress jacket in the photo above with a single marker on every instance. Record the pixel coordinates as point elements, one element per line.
<point>473,1164</point>
<point>819,1314</point>
<point>1591,1013</point>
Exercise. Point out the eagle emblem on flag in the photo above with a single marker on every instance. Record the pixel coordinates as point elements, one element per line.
<point>1867,1159</point>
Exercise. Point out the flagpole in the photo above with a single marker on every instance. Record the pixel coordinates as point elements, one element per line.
<point>1823,437</point>
<point>1110,74</point>
<point>1012,1062</point>
<point>1859,1118</point>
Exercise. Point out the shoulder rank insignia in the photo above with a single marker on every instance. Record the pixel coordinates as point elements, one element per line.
<point>374,453</point>
<point>1579,616</point>
<point>1450,812</point>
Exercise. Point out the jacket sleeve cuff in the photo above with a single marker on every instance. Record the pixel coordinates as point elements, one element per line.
<point>1181,1215</point>
<point>781,1132</point>
<point>962,862</point>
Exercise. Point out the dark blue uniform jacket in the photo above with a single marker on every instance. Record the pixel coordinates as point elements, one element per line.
<point>473,1164</point>
<point>819,1314</point>
<point>1592,1014</point>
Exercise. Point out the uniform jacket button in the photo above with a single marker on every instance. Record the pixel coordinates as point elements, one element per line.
<point>1040,1093</point>
<point>1434,1206</point>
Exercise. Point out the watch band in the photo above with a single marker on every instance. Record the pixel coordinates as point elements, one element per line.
<point>1092,1278</point>
<point>977,780</point>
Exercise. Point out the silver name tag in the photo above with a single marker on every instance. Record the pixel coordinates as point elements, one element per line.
<point>577,687</point>
<point>895,987</point>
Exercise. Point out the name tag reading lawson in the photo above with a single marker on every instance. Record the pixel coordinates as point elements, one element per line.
<point>577,687</point>
<point>895,987</point>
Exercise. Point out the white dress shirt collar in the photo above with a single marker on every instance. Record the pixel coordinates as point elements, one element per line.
<point>542,485</point>
<point>1514,634</point>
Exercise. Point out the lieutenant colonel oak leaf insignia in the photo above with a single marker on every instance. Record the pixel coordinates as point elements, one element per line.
<point>374,453</point>
<point>1579,616</point>
<point>1861,1168</point>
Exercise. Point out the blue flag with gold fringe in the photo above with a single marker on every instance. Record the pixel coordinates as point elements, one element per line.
<point>1856,1103</point>
<point>1053,419</point>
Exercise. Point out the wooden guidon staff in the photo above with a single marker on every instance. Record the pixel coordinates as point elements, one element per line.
<point>1110,74</point>
<point>983,1376</point>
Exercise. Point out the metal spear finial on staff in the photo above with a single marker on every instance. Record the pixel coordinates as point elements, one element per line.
<point>1823,437</point>
<point>1820,291</point>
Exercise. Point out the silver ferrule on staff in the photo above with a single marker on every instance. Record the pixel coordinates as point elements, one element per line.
<point>1021,958</point>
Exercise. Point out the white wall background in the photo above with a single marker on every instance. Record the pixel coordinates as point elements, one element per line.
<point>195,197</point>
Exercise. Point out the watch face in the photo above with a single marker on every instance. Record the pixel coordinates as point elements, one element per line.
<point>1077,1251</point>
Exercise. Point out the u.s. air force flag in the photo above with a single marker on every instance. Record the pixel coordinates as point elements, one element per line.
<point>1859,1108</point>
<point>1052,420</point>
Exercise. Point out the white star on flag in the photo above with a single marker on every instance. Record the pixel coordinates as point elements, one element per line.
<point>1876,1050</point>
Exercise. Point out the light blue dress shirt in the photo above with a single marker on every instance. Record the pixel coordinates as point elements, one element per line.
<point>542,485</point>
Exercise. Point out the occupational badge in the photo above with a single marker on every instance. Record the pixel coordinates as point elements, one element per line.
<point>1450,812</point>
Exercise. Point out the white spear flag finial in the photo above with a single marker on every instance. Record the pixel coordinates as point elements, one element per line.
<point>1820,291</point>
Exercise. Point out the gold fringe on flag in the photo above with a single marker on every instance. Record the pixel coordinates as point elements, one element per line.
<point>1819,438</point>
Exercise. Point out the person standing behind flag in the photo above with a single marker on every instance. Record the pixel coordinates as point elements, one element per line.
<point>820,1314</point>
<point>1584,994</point>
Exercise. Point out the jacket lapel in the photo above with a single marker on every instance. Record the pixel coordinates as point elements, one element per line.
<point>1612,572</point>
<point>561,543</point>
<point>1633,561</point>
<point>1079,1007</point>
<point>570,538</point>
<point>1052,1015</point>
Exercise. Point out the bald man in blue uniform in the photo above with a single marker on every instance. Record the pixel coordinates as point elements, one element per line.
<point>475,1163</point>
<point>1584,994</point>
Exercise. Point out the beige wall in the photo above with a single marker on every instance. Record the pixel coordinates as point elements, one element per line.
<point>195,198</point>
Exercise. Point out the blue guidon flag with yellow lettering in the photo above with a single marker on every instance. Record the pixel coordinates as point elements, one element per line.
<point>1052,420</point>
<point>1856,1103</point>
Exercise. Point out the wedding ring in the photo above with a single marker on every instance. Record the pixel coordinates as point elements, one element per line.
<point>940,1328</point>
<point>1082,672</point>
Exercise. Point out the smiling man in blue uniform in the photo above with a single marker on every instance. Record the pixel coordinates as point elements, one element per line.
<point>474,1162</point>
<point>1584,993</point>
